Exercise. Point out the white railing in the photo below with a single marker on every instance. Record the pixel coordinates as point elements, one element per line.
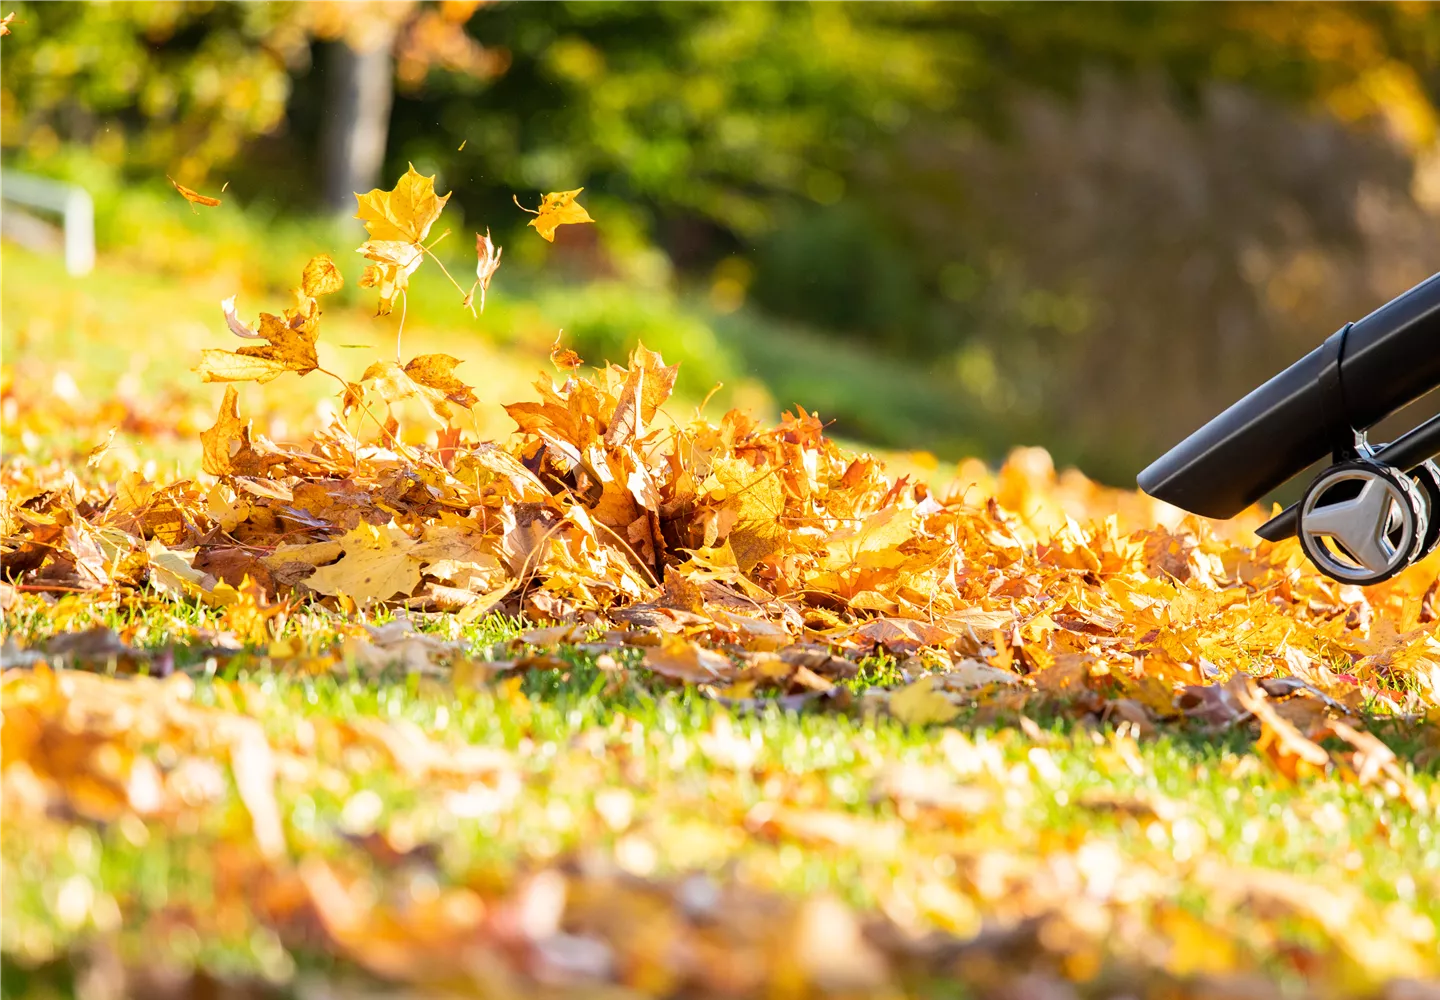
<point>74,206</point>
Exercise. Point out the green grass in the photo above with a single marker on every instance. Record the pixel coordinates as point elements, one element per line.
<point>577,735</point>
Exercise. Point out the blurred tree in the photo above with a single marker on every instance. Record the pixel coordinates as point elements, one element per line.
<point>180,88</point>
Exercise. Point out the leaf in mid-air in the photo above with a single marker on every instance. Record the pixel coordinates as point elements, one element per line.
<point>321,277</point>
<point>403,214</point>
<point>564,358</point>
<point>487,263</point>
<point>291,346</point>
<point>395,261</point>
<point>559,208</point>
<point>428,378</point>
<point>193,197</point>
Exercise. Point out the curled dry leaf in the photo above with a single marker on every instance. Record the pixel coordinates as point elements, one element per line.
<point>236,325</point>
<point>487,263</point>
<point>193,197</point>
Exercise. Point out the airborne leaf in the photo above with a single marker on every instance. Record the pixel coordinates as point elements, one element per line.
<point>559,208</point>
<point>564,358</point>
<point>321,277</point>
<point>193,197</point>
<point>487,263</point>
<point>428,378</point>
<point>403,214</point>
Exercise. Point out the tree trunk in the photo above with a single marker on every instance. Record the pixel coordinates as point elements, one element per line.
<point>361,87</point>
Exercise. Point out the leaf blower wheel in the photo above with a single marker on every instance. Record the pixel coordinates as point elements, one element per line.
<point>1362,522</point>
<point>1427,477</point>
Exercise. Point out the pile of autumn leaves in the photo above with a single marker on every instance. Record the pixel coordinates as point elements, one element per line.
<point>604,513</point>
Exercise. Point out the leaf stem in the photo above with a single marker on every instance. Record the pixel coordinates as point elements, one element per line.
<point>443,269</point>
<point>404,307</point>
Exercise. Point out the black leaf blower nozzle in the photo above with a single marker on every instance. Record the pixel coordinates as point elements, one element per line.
<point>1372,521</point>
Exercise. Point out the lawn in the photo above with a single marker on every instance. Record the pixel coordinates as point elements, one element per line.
<point>764,720</point>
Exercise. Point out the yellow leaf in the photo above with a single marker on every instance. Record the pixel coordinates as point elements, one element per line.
<point>759,502</point>
<point>321,277</point>
<point>395,262</point>
<point>559,208</point>
<point>648,383</point>
<point>227,444</point>
<point>437,371</point>
<point>377,565</point>
<point>682,660</point>
<point>291,347</point>
<point>427,378</point>
<point>564,358</point>
<point>919,704</point>
<point>403,214</point>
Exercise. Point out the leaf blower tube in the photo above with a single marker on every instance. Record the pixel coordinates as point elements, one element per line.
<point>1360,375</point>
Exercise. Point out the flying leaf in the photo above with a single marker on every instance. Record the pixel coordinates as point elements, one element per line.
<point>395,262</point>
<point>559,208</point>
<point>97,454</point>
<point>564,358</point>
<point>321,277</point>
<point>193,197</point>
<point>437,371</point>
<point>428,378</point>
<point>488,262</point>
<point>403,214</point>
<point>237,326</point>
<point>378,564</point>
<point>291,348</point>
<point>919,704</point>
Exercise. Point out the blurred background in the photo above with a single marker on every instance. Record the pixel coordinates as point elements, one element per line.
<point>951,228</point>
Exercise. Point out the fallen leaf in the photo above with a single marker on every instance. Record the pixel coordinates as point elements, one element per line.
<point>378,564</point>
<point>683,660</point>
<point>919,704</point>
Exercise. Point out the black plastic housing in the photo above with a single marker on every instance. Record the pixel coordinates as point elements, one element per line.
<point>1360,375</point>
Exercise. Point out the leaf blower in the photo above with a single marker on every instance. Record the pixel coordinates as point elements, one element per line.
<point>1376,508</point>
